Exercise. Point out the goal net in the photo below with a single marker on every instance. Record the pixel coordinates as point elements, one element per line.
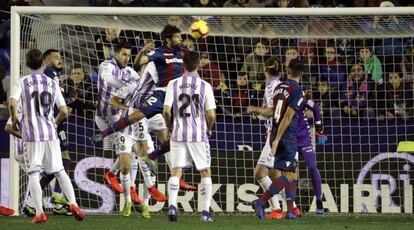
<point>359,68</point>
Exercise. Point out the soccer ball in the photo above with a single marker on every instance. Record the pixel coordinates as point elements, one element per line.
<point>199,29</point>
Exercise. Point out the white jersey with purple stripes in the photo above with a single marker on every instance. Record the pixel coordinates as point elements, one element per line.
<point>190,97</point>
<point>38,94</point>
<point>112,78</point>
<point>268,98</point>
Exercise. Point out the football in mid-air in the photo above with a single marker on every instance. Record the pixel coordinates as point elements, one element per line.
<point>199,29</point>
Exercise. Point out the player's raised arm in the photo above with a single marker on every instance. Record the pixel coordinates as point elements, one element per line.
<point>141,58</point>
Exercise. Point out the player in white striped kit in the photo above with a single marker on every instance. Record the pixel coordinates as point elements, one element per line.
<point>264,172</point>
<point>38,95</point>
<point>136,137</point>
<point>114,74</point>
<point>191,102</point>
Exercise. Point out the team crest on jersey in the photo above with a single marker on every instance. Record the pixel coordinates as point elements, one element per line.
<point>122,147</point>
<point>141,135</point>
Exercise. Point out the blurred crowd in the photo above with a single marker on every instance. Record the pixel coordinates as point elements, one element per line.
<point>349,78</point>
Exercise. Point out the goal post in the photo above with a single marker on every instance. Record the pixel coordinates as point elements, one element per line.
<point>354,143</point>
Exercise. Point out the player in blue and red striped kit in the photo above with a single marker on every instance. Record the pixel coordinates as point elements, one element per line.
<point>287,101</point>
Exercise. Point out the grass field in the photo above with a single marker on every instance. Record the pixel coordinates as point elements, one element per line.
<point>186,221</point>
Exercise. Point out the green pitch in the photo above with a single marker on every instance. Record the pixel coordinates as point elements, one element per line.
<point>237,222</point>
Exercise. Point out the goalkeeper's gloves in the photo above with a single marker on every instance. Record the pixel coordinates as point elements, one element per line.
<point>320,136</point>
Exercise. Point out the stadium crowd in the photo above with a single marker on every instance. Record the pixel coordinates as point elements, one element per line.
<point>366,78</point>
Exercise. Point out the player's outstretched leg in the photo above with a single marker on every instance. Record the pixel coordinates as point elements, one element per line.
<point>118,125</point>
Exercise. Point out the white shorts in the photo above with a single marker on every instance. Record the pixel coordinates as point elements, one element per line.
<point>145,126</point>
<point>45,155</point>
<point>104,123</point>
<point>266,158</point>
<point>125,143</point>
<point>182,154</point>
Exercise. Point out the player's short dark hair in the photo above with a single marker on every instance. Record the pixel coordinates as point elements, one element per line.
<point>191,61</point>
<point>122,44</point>
<point>48,52</point>
<point>296,67</point>
<point>272,66</point>
<point>34,59</point>
<point>169,31</point>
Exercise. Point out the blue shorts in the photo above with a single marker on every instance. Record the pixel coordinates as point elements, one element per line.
<point>286,158</point>
<point>153,105</point>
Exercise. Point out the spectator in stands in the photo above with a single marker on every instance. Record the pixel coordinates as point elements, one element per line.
<point>354,99</point>
<point>292,52</point>
<point>372,65</point>
<point>242,95</point>
<point>210,72</point>
<point>327,99</point>
<point>176,21</point>
<point>331,69</point>
<point>254,64</point>
<point>81,90</point>
<point>397,97</point>
<point>283,3</point>
<point>105,42</point>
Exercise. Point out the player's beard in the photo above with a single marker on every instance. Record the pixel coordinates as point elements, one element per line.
<point>177,46</point>
<point>58,69</point>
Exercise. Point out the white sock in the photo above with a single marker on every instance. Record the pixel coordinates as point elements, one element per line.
<point>115,166</point>
<point>134,170</point>
<point>146,173</point>
<point>29,199</point>
<point>205,189</point>
<point>294,204</point>
<point>126,185</point>
<point>173,188</point>
<point>66,186</point>
<point>36,192</point>
<point>145,195</point>
<point>265,183</point>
